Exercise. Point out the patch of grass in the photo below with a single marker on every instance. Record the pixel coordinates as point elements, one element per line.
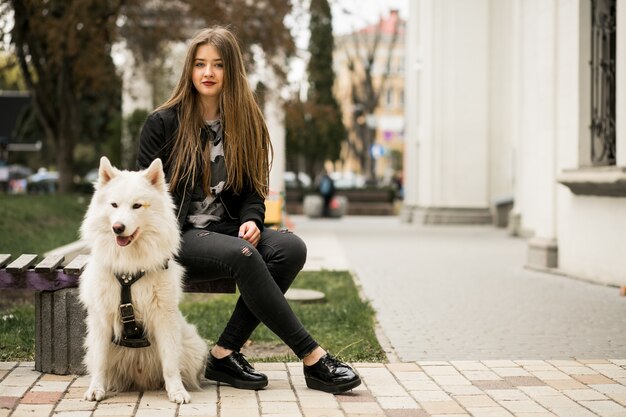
<point>39,223</point>
<point>342,324</point>
<point>17,333</point>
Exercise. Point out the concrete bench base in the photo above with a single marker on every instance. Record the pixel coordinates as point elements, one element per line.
<point>59,332</point>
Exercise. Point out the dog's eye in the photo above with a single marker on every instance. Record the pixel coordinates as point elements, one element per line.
<point>137,206</point>
<point>114,205</point>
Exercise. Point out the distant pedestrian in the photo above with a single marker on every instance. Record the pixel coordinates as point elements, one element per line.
<point>326,188</point>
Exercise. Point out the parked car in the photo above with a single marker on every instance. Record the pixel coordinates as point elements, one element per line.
<point>43,181</point>
<point>301,181</point>
<point>347,179</point>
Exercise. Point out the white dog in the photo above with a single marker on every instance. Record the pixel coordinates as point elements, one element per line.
<point>133,235</point>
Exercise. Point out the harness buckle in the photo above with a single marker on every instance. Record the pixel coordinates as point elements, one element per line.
<point>127,313</point>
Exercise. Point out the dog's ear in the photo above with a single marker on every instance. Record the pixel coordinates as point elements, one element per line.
<point>106,172</point>
<point>155,174</point>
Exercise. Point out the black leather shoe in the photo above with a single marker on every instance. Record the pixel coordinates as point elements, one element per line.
<point>330,375</point>
<point>234,370</point>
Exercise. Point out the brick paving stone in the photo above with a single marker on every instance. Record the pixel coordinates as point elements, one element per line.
<point>82,381</point>
<point>499,364</point>
<point>420,385</point>
<point>390,403</point>
<point>538,391</point>
<point>481,375</point>
<point>567,384</point>
<point>407,413</point>
<point>604,407</point>
<point>522,406</point>
<point>276,395</point>
<point>270,366</point>
<point>584,394</point>
<point>321,412</point>
<point>609,388</point>
<point>524,381</point>
<point>551,375</point>
<point>430,396</point>
<point>451,380</point>
<point>506,394</point>
<point>4,373</point>
<point>387,390</point>
<point>577,370</point>
<point>403,367</point>
<point>74,404</point>
<point>235,402</point>
<point>577,411</point>
<point>275,376</point>
<point>32,410</point>
<point>462,390</point>
<point>540,367</point>
<point>489,412</point>
<point>485,385</point>
<point>57,378</point>
<point>469,365</point>
<point>151,412</point>
<point>442,407</point>
<point>618,398</point>
<point>74,393</point>
<point>482,400</point>
<point>8,402</point>
<point>77,413</point>
<point>13,391</point>
<point>512,371</point>
<point>593,361</point>
<point>411,376</point>
<point>117,409</point>
<point>285,408</point>
<point>242,412</point>
<point>327,403</point>
<point>556,401</point>
<point>50,385</point>
<point>4,366</point>
<point>446,370</point>
<point>41,397</point>
<point>123,397</point>
<point>361,408</point>
<point>355,398</point>
<point>432,363</point>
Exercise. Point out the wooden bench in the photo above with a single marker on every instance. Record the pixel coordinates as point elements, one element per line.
<point>59,316</point>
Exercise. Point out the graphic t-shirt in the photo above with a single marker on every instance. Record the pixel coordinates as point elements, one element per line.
<point>205,209</point>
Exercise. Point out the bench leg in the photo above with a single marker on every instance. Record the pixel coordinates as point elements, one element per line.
<point>59,332</point>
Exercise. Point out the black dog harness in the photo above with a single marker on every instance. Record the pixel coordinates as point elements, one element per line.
<point>133,335</point>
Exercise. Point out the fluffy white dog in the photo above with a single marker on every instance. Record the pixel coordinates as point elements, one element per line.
<point>137,337</point>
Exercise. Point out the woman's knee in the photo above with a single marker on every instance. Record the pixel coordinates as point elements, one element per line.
<point>294,249</point>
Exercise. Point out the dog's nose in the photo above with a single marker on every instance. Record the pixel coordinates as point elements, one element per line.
<point>118,228</point>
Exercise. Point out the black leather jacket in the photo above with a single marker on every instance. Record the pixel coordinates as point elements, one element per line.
<point>156,141</point>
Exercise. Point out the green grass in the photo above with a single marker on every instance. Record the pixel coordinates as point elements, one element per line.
<point>39,223</point>
<point>17,333</point>
<point>343,324</point>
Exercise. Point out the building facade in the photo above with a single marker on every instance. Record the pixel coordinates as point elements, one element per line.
<point>387,78</point>
<point>522,99</point>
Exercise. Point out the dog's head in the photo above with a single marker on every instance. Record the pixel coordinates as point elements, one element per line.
<point>131,208</point>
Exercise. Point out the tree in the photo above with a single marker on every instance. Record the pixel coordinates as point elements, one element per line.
<point>63,48</point>
<point>63,51</point>
<point>317,130</point>
<point>364,57</point>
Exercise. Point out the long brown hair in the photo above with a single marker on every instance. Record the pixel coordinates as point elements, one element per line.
<point>247,145</point>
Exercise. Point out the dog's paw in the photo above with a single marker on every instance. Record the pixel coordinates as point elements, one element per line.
<point>180,396</point>
<point>94,394</point>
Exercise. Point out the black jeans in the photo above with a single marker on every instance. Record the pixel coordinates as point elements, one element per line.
<point>263,274</point>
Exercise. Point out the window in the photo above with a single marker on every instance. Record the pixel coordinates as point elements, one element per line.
<point>603,57</point>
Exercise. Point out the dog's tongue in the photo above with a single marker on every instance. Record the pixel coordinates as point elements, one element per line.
<point>123,240</point>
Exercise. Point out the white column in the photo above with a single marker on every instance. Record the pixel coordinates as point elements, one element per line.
<point>620,89</point>
<point>411,111</point>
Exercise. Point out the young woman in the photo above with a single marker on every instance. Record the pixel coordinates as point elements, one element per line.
<point>215,146</point>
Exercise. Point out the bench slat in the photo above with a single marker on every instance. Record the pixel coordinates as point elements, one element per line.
<point>21,264</point>
<point>77,265</point>
<point>50,263</point>
<point>4,259</point>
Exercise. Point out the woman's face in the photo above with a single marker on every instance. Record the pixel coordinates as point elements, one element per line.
<point>208,72</point>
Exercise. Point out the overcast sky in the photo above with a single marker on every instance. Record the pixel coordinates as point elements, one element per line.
<point>349,15</point>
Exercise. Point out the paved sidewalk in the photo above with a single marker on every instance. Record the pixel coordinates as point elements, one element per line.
<point>524,388</point>
<point>471,333</point>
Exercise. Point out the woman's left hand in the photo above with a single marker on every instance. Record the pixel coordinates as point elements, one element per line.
<point>250,232</point>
